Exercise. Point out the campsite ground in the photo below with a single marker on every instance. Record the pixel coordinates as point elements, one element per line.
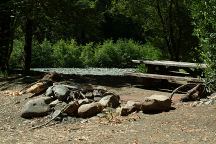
<point>184,124</point>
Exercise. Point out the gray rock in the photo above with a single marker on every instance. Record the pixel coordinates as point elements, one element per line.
<point>61,92</point>
<point>97,98</point>
<point>156,103</point>
<point>209,102</point>
<point>110,101</point>
<point>36,107</point>
<point>101,90</point>
<point>49,92</point>
<point>194,104</point>
<point>72,108</point>
<point>89,110</point>
<point>204,100</point>
<point>72,87</point>
<point>87,88</point>
<point>89,95</point>
<point>96,93</point>
<point>84,101</point>
<point>129,108</point>
<point>60,105</point>
<point>213,96</point>
<point>54,103</point>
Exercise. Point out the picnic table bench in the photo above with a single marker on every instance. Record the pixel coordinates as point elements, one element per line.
<point>172,67</point>
<point>170,71</point>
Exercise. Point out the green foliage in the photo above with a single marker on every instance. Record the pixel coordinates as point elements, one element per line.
<point>3,74</point>
<point>70,54</point>
<point>16,59</point>
<point>141,68</point>
<point>66,54</point>
<point>87,55</point>
<point>120,54</point>
<point>205,22</point>
<point>42,54</point>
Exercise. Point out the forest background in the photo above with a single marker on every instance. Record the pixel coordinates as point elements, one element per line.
<point>106,33</point>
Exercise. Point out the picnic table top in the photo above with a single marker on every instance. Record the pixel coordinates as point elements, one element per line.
<point>171,63</point>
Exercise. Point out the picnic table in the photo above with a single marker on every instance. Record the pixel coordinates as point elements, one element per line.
<point>172,67</point>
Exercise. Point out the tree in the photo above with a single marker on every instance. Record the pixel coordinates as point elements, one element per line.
<point>5,34</point>
<point>165,23</point>
<point>204,15</point>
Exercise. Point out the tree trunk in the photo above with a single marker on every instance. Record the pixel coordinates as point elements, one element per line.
<point>5,33</point>
<point>28,44</point>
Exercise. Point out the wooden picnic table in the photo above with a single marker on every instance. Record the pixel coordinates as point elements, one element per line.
<point>172,67</point>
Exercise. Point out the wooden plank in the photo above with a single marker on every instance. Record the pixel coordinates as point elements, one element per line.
<point>166,77</point>
<point>172,63</point>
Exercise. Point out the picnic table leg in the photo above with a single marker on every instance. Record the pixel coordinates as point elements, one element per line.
<point>151,68</point>
<point>156,69</point>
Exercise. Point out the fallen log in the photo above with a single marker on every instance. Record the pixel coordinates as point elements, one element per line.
<point>193,94</point>
<point>41,85</point>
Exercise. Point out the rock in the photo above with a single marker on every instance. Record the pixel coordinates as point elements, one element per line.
<point>49,92</point>
<point>89,95</point>
<point>194,104</point>
<point>96,93</point>
<point>209,102</point>
<point>129,108</point>
<point>72,87</point>
<point>212,96</point>
<point>72,108</point>
<point>87,88</point>
<point>61,92</point>
<point>101,89</point>
<point>36,107</point>
<point>97,98</point>
<point>54,103</point>
<point>84,101</point>
<point>110,101</point>
<point>89,110</point>
<point>156,103</point>
<point>60,105</point>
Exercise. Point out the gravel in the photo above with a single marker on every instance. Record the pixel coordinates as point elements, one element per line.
<point>88,71</point>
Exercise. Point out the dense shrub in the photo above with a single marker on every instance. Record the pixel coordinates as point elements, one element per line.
<point>16,59</point>
<point>70,54</point>
<point>42,54</point>
<point>205,28</point>
<point>66,54</point>
<point>87,55</point>
<point>120,54</point>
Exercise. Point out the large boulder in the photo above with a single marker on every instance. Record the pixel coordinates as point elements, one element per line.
<point>156,103</point>
<point>61,92</point>
<point>110,100</point>
<point>89,110</point>
<point>130,107</point>
<point>36,107</point>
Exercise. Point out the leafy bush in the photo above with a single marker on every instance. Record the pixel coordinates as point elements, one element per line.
<point>120,54</point>
<point>66,54</point>
<point>42,54</point>
<point>70,54</point>
<point>16,59</point>
<point>205,28</point>
<point>87,55</point>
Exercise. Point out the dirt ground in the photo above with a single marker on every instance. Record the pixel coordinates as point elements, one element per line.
<point>185,124</point>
